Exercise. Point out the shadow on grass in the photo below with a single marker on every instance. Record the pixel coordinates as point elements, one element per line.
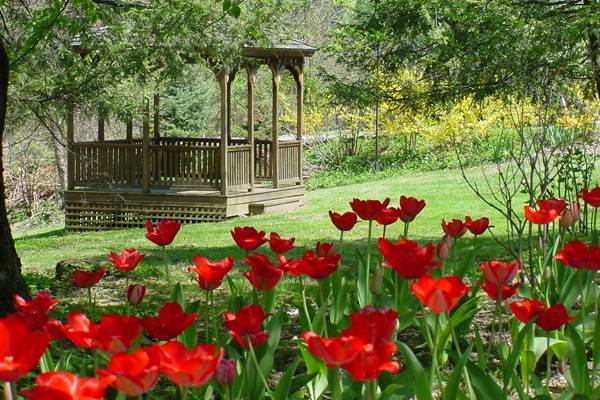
<point>58,232</point>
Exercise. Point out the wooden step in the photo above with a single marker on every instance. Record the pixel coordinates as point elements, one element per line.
<point>275,206</point>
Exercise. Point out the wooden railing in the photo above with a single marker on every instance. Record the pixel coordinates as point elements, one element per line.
<point>102,164</point>
<point>238,159</point>
<point>262,160</point>
<point>289,159</point>
<point>176,165</point>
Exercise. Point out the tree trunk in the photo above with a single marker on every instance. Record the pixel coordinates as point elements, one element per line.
<point>11,280</point>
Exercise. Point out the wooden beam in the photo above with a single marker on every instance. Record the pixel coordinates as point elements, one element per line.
<point>70,148</point>
<point>146,148</point>
<point>156,107</point>
<point>223,78</point>
<point>251,74</point>
<point>129,130</point>
<point>100,125</point>
<point>276,71</point>
<point>229,82</point>
<point>299,77</point>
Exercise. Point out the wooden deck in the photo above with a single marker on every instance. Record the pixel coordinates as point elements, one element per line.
<point>96,208</point>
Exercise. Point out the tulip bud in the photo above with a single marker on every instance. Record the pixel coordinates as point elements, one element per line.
<point>570,216</point>
<point>225,372</point>
<point>443,247</point>
<point>135,294</point>
<point>376,281</point>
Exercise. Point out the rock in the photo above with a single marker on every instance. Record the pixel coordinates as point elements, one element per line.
<point>65,268</point>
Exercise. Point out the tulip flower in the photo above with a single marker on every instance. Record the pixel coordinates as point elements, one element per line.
<point>542,216</point>
<point>344,222</point>
<point>407,258</point>
<point>164,233</point>
<point>279,245</point>
<point>371,324</point>
<point>37,311</point>
<point>410,207</point>
<point>55,330</point>
<point>170,322</point>
<point>368,210</point>
<point>387,216</point>
<point>264,275</point>
<point>577,255</point>
<point>591,197</point>
<point>500,273</point>
<point>246,325</point>
<point>548,318</point>
<point>86,279</point>
<point>193,367</point>
<point>127,260</point>
<point>135,373</point>
<point>526,310</point>
<point>501,292</point>
<point>20,348</point>
<point>318,267</point>
<point>558,205</point>
<point>291,267</point>
<point>441,295</point>
<point>135,294</point>
<point>334,351</point>
<point>570,216</point>
<point>114,334</point>
<point>455,228</point>
<point>225,372</point>
<point>443,248</point>
<point>66,386</point>
<point>478,226</point>
<point>372,361</point>
<point>248,238</point>
<point>211,273</point>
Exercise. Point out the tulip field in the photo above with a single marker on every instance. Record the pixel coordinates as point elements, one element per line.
<point>399,291</point>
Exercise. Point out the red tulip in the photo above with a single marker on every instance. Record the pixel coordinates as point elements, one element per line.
<point>502,292</point>
<point>292,267</point>
<point>264,275</point>
<point>325,249</point>
<point>558,205</point>
<point>135,294</point>
<point>344,222</point>
<point>541,217</point>
<point>410,207</point>
<point>526,310</point>
<point>372,361</point>
<point>87,279</point>
<point>368,210</point>
<point>570,215</point>
<point>35,312</point>
<point>319,267</point>
<point>225,372</point>
<point>279,245</point>
<point>114,334</point>
<point>135,373</point>
<point>500,273</point>
<point>246,325</point>
<point>407,258</point>
<point>388,216</point>
<point>577,255</point>
<point>55,330</point>
<point>170,322</point>
<point>66,386</point>
<point>248,238</point>
<point>553,318</point>
<point>455,228</point>
<point>20,348</point>
<point>440,295</point>
<point>189,367</point>
<point>443,248</point>
<point>211,273</point>
<point>478,226</point>
<point>164,233</point>
<point>591,197</point>
<point>371,325</point>
<point>127,260</point>
<point>335,351</point>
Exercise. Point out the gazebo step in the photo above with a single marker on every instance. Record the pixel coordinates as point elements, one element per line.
<point>275,206</point>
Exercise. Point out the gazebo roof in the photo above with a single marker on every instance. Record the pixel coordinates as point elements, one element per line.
<point>292,48</point>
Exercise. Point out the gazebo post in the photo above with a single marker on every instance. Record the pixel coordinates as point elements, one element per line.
<point>70,148</point>
<point>146,148</point>
<point>223,78</point>
<point>276,70</point>
<point>229,82</point>
<point>251,72</point>
<point>129,130</point>
<point>299,77</point>
<point>156,121</point>
<point>100,125</point>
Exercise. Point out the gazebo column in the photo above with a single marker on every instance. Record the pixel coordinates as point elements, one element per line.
<point>146,148</point>
<point>223,78</point>
<point>251,72</point>
<point>229,82</point>
<point>101,125</point>
<point>276,71</point>
<point>129,130</point>
<point>70,148</point>
<point>298,72</point>
<point>156,120</point>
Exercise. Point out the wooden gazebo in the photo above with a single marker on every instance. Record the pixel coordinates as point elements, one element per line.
<point>121,183</point>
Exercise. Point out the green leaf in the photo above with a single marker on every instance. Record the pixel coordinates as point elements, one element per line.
<point>226,5</point>
<point>509,367</point>
<point>451,390</point>
<point>422,385</point>
<point>177,295</point>
<point>235,11</point>
<point>484,386</point>
<point>577,374</point>
<point>282,391</point>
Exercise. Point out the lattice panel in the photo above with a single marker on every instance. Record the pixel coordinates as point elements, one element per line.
<point>83,216</point>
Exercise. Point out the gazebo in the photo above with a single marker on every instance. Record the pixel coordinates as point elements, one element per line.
<point>115,184</point>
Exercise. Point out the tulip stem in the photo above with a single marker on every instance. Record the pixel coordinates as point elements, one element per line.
<point>10,391</point>
<point>336,389</point>
<point>304,307</point>
<point>371,389</point>
<point>499,313</point>
<point>595,300</point>
<point>405,235</point>
<point>166,262</point>
<point>323,306</point>
<point>90,302</point>
<point>208,318</point>
<point>368,272</point>
<point>182,392</point>
<point>259,370</point>
<point>435,373</point>
<point>548,362</point>
<point>396,289</point>
<point>457,347</point>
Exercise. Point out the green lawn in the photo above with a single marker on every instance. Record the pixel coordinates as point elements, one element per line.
<point>445,192</point>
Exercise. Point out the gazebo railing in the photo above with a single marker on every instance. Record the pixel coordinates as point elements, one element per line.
<point>176,165</point>
<point>289,159</point>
